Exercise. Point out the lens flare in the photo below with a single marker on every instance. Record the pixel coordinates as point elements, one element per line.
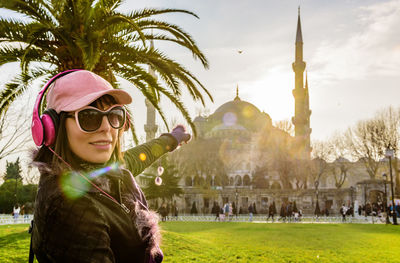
<point>73,185</point>
<point>101,171</point>
<point>142,157</point>
<point>229,119</point>
<point>248,112</point>
<point>158,181</point>
<point>160,170</point>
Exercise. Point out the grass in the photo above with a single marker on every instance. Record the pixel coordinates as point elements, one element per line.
<point>252,242</point>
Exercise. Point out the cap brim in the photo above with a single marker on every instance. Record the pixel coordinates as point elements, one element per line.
<point>122,97</point>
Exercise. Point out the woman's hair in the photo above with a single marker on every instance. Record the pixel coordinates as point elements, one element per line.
<point>61,144</point>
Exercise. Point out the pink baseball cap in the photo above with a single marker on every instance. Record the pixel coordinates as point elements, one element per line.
<point>80,88</point>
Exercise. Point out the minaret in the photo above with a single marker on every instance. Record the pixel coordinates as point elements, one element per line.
<point>301,119</point>
<point>150,127</point>
<point>307,114</point>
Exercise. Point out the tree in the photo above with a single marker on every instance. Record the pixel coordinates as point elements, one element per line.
<point>259,180</point>
<point>95,35</point>
<point>339,170</point>
<point>391,120</point>
<point>201,159</point>
<point>366,141</point>
<point>318,166</point>
<point>317,211</point>
<point>26,194</point>
<point>13,170</point>
<point>13,132</point>
<point>277,153</point>
<point>170,182</point>
<point>301,170</point>
<point>193,210</point>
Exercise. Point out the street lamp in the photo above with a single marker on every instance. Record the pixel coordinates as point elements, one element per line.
<point>385,203</point>
<point>389,154</point>
<point>351,198</point>
<point>237,202</point>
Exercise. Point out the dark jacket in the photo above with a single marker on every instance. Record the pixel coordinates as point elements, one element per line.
<point>74,222</point>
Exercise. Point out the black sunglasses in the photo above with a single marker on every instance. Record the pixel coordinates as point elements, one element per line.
<point>89,118</point>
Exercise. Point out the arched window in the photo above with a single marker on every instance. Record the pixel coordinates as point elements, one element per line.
<point>246,180</point>
<point>231,180</point>
<point>276,185</point>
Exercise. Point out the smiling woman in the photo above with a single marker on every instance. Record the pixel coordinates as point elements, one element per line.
<point>89,207</point>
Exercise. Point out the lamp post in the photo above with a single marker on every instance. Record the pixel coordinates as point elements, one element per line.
<point>237,202</point>
<point>385,202</point>
<point>389,154</point>
<point>352,201</point>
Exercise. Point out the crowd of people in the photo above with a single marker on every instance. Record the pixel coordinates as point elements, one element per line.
<point>378,210</point>
<point>165,210</point>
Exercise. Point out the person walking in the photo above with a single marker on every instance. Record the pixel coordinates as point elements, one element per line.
<point>89,207</point>
<point>282,214</point>
<point>271,212</point>
<point>343,211</point>
<point>216,210</point>
<point>16,211</point>
<point>226,211</point>
<point>175,210</point>
<point>250,213</point>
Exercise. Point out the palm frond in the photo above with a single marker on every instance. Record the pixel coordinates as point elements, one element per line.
<point>148,12</point>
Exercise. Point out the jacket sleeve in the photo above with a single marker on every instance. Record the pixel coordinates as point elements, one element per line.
<point>140,157</point>
<point>77,232</point>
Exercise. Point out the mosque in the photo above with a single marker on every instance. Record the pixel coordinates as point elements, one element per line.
<point>244,158</point>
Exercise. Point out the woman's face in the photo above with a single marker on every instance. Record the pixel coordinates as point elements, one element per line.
<point>94,147</point>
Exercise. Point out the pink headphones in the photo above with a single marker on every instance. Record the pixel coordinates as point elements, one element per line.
<point>44,126</point>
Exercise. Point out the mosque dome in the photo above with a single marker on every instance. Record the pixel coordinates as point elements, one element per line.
<point>239,113</point>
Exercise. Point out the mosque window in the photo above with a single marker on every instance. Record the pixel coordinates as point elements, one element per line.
<point>246,180</point>
<point>231,181</point>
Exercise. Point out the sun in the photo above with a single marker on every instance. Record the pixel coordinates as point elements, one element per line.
<point>272,94</point>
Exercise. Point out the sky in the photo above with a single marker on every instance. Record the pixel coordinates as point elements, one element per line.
<point>351,47</point>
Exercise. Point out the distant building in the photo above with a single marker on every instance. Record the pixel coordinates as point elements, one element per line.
<point>252,152</point>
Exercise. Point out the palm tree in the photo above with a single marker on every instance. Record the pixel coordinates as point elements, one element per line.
<point>92,34</point>
<point>170,182</point>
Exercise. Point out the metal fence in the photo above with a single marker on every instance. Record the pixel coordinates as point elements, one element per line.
<point>263,219</point>
<point>26,219</point>
<point>9,219</point>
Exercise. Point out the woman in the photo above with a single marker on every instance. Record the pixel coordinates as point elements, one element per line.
<point>16,211</point>
<point>89,207</point>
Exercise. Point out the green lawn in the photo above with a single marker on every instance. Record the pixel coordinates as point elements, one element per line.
<point>252,242</point>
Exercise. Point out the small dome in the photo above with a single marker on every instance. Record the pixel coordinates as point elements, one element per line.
<point>199,119</point>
